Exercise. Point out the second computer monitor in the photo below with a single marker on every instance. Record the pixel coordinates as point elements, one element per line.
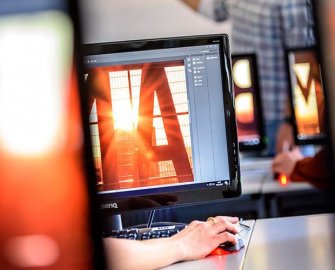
<point>249,117</point>
<point>306,96</point>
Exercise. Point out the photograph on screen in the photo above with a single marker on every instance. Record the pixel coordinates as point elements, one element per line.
<point>150,141</point>
<point>247,102</point>
<point>306,94</point>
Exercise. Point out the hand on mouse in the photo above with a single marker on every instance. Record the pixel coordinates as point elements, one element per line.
<point>200,238</point>
<point>194,242</point>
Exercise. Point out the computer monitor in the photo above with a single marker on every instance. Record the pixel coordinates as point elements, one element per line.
<point>306,96</point>
<point>249,115</point>
<point>325,14</point>
<point>162,122</point>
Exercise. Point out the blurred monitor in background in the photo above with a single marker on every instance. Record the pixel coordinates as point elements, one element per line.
<point>44,199</point>
<point>306,96</point>
<point>249,115</point>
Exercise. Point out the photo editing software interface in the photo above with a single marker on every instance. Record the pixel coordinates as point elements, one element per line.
<point>307,97</point>
<point>157,118</point>
<point>249,119</point>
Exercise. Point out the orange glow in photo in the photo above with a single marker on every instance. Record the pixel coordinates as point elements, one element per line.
<point>140,125</point>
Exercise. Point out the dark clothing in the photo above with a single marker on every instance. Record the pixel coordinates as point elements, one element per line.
<point>316,170</point>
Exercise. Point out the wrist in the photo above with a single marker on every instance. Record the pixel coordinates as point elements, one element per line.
<point>176,249</point>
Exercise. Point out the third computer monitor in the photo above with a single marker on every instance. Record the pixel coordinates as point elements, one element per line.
<point>306,96</point>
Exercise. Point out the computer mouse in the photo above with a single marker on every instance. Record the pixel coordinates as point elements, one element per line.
<point>228,246</point>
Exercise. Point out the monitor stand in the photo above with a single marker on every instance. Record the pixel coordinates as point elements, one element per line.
<point>116,222</point>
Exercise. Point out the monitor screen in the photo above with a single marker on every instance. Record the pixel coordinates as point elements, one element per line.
<point>162,122</point>
<point>306,95</point>
<point>249,116</point>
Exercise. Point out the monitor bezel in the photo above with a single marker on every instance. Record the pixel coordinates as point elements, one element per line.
<point>308,141</point>
<point>252,57</point>
<point>326,52</point>
<point>119,202</point>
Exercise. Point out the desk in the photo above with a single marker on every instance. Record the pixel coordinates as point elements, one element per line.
<point>230,261</point>
<point>295,198</point>
<point>272,186</point>
<point>252,182</point>
<point>301,242</point>
<point>253,174</point>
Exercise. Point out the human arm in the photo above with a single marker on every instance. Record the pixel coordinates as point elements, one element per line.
<point>284,139</point>
<point>315,170</point>
<point>194,242</point>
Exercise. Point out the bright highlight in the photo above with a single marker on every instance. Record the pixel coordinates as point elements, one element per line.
<point>33,81</point>
<point>32,251</point>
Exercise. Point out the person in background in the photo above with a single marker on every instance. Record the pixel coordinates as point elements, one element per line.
<point>194,242</point>
<point>267,28</point>
<point>315,170</point>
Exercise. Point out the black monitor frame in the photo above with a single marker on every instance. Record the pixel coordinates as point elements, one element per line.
<point>116,203</point>
<point>324,11</point>
<point>256,93</point>
<point>316,140</point>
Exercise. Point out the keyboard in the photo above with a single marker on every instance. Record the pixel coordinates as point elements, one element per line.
<point>159,232</point>
<point>148,233</point>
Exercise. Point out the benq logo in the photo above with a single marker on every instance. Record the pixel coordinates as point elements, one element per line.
<point>109,206</point>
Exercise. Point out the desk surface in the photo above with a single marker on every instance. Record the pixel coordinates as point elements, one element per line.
<point>253,174</point>
<point>301,242</point>
<point>230,261</point>
<point>272,186</point>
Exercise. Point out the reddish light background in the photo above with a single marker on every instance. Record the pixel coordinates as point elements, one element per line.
<point>46,195</point>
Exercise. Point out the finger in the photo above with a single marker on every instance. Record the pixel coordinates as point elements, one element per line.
<point>227,237</point>
<point>276,168</point>
<point>275,164</point>
<point>229,219</point>
<point>223,225</point>
<point>278,160</point>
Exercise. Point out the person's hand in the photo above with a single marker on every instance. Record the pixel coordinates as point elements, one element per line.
<point>285,162</point>
<point>194,242</point>
<point>284,140</point>
<point>200,238</point>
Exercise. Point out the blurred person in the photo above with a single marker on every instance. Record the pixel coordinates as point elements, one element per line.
<point>315,170</point>
<point>267,28</point>
<point>194,242</point>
